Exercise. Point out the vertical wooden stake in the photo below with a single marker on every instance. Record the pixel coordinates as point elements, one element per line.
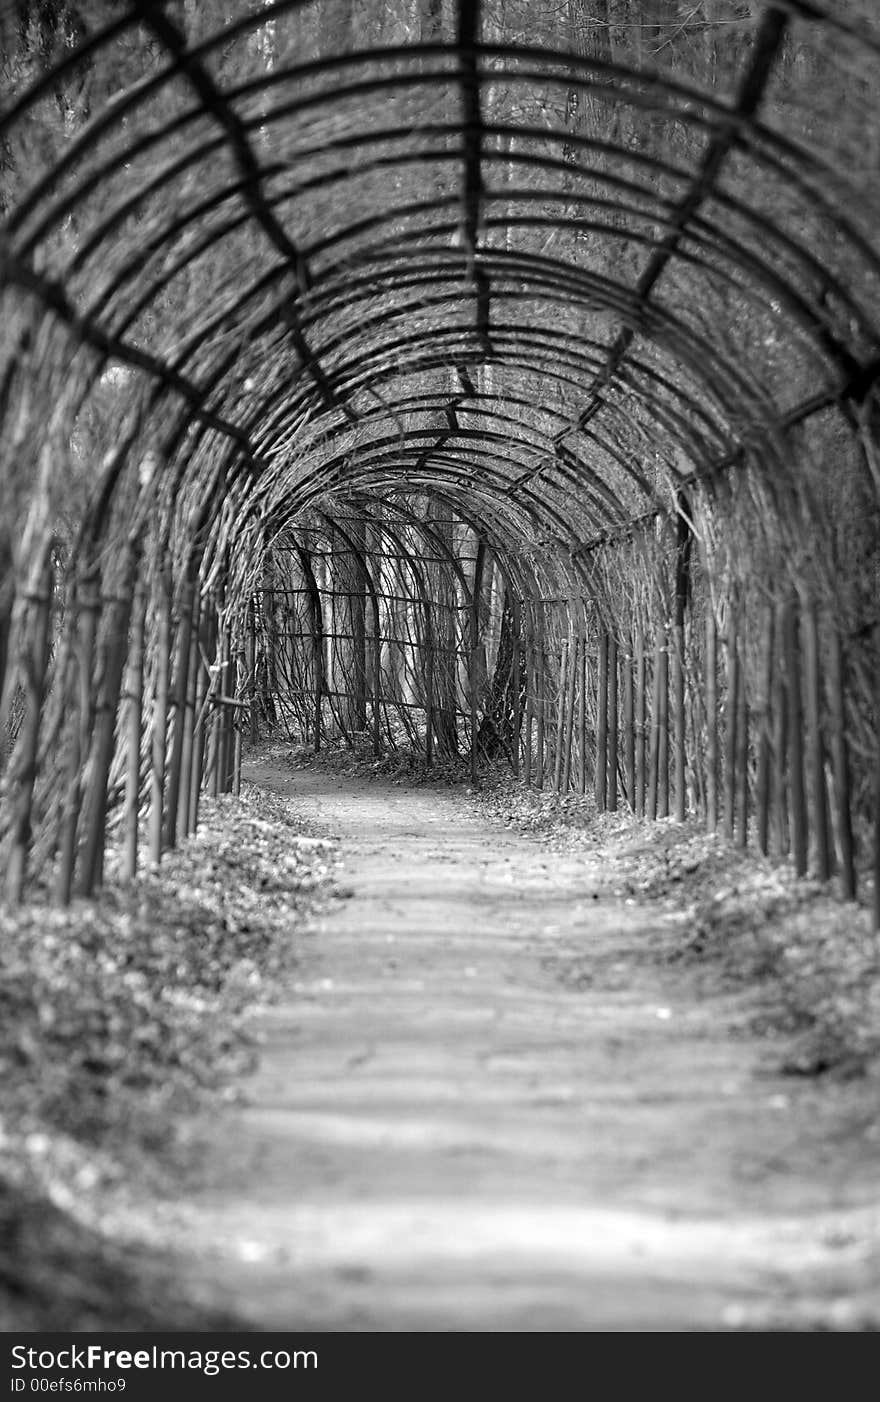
<point>640,722</point>
<point>684,544</point>
<point>711,719</point>
<point>678,722</point>
<point>133,722</point>
<point>181,685</point>
<point>516,684</point>
<point>473,650</point>
<point>35,664</point>
<point>629,739</point>
<point>840,762</point>
<point>321,669</point>
<point>762,785</point>
<point>654,751</point>
<point>88,608</point>
<point>202,719</point>
<point>876,834</point>
<point>663,732</point>
<point>582,708</point>
<point>189,723</point>
<point>112,666</point>
<point>251,664</point>
<point>429,688</point>
<point>572,706</point>
<point>229,684</point>
<point>797,793</point>
<point>214,717</point>
<point>731,712</point>
<point>236,763</point>
<point>540,692</point>
<point>377,673</point>
<point>213,746</point>
<point>815,746</point>
<point>601,773</point>
<point>530,692</point>
<point>876,863</point>
<point>160,717</point>
<point>778,779</point>
<point>612,723</point>
<point>560,716</point>
<point>742,757</point>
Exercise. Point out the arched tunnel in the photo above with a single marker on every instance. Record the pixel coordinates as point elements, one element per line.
<point>495,383</point>
<point>392,343</point>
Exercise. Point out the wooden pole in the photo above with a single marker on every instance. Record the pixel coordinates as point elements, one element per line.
<point>601,771</point>
<point>215,714</point>
<point>612,723</point>
<point>678,722</point>
<point>236,757</point>
<point>160,716</point>
<point>377,672</point>
<point>88,608</point>
<point>237,713</point>
<point>429,703</point>
<point>732,713</point>
<point>189,722</point>
<point>316,622</point>
<point>841,769</point>
<point>582,707</point>
<point>206,631</point>
<point>474,650</point>
<point>742,758</point>
<point>539,697</point>
<point>516,683</point>
<point>765,747</point>
<point>251,664</point>
<point>230,688</point>
<point>684,542</point>
<point>320,666</point>
<point>654,751</point>
<point>572,706</point>
<point>797,793</point>
<point>876,854</point>
<point>663,731</point>
<point>629,738</point>
<point>35,662</point>
<point>779,791</point>
<point>640,722</point>
<point>876,815</point>
<point>530,703</point>
<point>181,685</point>
<point>7,604</point>
<point>560,716</point>
<point>133,724</point>
<point>711,719</point>
<point>114,651</point>
<point>815,745</point>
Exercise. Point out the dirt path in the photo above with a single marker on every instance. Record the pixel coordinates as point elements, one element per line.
<point>444,1133</point>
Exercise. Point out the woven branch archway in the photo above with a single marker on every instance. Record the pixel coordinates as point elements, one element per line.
<point>439,372</point>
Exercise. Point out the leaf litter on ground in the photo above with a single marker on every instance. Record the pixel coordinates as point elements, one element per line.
<point>745,920</point>
<point>119,1018</point>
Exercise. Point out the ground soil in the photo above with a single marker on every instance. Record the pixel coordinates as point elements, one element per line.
<point>449,1130</point>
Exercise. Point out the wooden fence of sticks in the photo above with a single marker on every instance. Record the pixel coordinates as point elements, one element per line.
<point>699,710</point>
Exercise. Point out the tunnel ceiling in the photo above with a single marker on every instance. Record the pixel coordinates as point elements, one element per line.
<point>547,264</point>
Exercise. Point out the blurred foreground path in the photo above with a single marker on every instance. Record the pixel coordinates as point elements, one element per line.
<point>480,1106</point>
